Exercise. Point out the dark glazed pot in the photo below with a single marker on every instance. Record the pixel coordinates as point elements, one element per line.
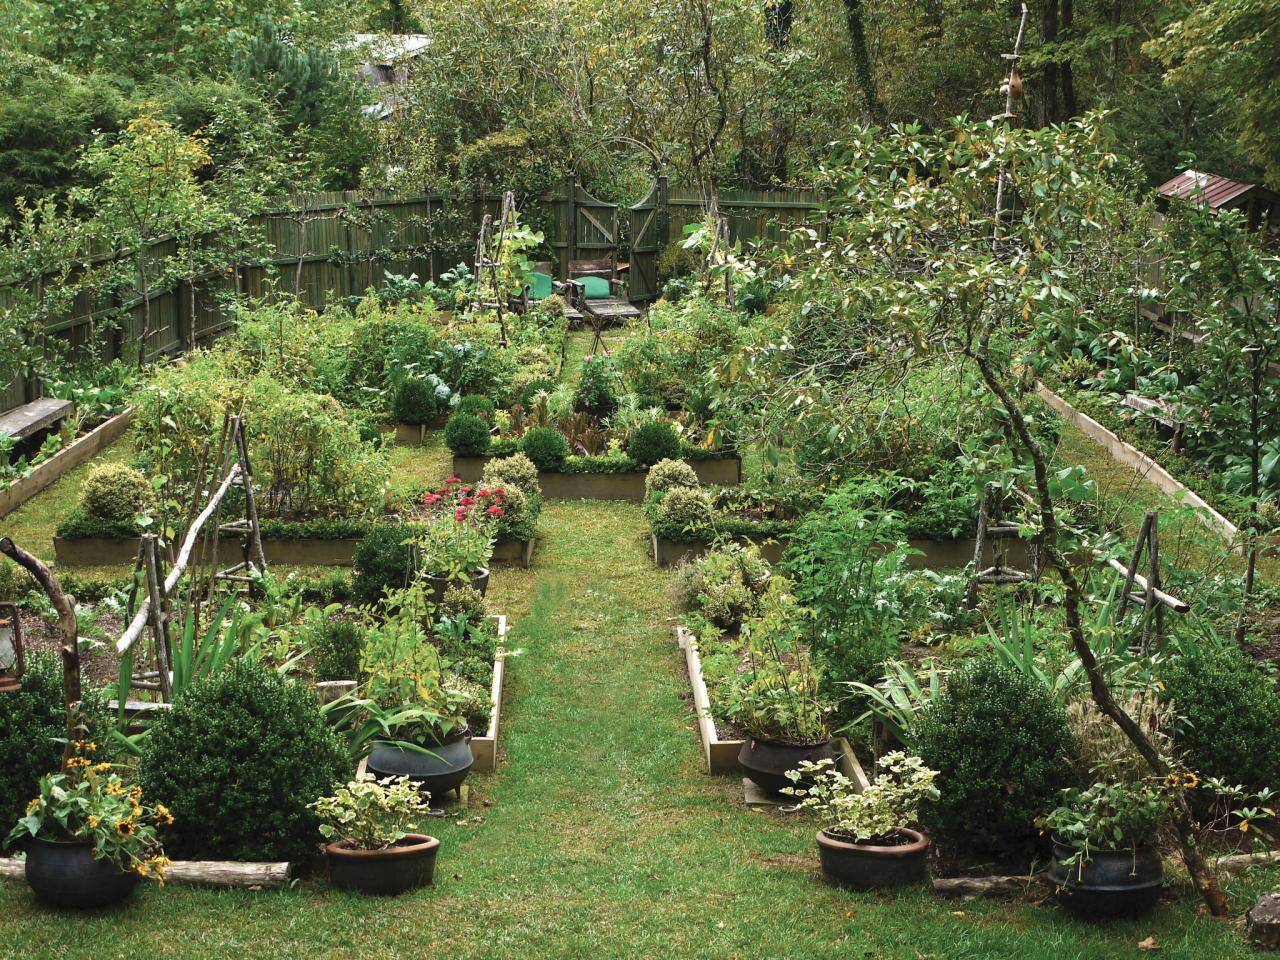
<point>864,866</point>
<point>409,863</point>
<point>442,768</point>
<point>1115,883</point>
<point>65,874</point>
<point>435,587</point>
<point>767,761</point>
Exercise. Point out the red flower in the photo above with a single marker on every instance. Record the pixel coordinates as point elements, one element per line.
<point>460,514</point>
<point>452,480</point>
<point>431,499</point>
<point>494,511</point>
<point>467,502</point>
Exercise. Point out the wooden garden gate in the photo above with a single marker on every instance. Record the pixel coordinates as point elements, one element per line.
<point>586,228</point>
<point>649,228</point>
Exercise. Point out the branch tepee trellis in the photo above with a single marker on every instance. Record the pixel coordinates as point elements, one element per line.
<point>154,613</point>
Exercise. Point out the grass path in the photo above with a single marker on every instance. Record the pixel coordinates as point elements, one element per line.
<point>600,836</point>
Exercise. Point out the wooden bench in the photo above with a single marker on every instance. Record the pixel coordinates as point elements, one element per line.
<point>24,422</point>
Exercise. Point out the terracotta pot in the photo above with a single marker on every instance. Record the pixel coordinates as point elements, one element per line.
<point>409,863</point>
<point>865,866</point>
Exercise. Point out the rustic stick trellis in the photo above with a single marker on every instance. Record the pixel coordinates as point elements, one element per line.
<point>1148,593</point>
<point>490,292</point>
<point>159,587</point>
<point>995,530</point>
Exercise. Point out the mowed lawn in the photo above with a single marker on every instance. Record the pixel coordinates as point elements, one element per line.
<point>601,836</point>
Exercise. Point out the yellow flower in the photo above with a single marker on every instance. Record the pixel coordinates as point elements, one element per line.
<point>115,789</point>
<point>93,822</point>
<point>125,828</point>
<point>1190,781</point>
<point>33,805</point>
<point>1244,826</point>
<point>163,815</point>
<point>135,792</point>
<point>101,767</point>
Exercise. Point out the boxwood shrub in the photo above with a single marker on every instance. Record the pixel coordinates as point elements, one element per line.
<point>546,447</point>
<point>415,402</point>
<point>114,492</point>
<point>478,405</point>
<point>30,721</point>
<point>653,442</point>
<point>1000,745</point>
<point>467,435</point>
<point>237,759</point>
<point>1228,716</point>
<point>381,562</point>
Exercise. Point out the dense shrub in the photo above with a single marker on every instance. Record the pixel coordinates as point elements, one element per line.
<point>529,392</point>
<point>686,508</point>
<point>463,600</point>
<point>415,402</point>
<point>477,404</point>
<point>1000,745</point>
<point>654,442</point>
<point>667,475</point>
<point>237,759</point>
<point>731,581</point>
<point>30,721</point>
<point>516,471</point>
<point>467,435</point>
<point>546,447</point>
<point>1228,713</point>
<point>381,562</point>
<point>117,493</point>
<point>307,454</point>
<point>335,649</point>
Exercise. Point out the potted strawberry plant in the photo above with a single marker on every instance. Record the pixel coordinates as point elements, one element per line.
<point>89,837</point>
<point>867,840</point>
<point>373,845</point>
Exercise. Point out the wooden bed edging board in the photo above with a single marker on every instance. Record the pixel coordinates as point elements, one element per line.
<point>721,756</point>
<point>1144,466</point>
<point>106,551</point>
<point>209,873</point>
<point>62,462</point>
<point>721,471</point>
<point>485,749</point>
<point>934,554</point>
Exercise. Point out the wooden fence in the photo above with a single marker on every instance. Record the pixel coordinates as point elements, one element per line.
<point>335,246</point>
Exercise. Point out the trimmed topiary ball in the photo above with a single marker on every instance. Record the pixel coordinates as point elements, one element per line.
<point>516,471</point>
<point>381,562</point>
<point>415,402</point>
<point>687,508</point>
<point>1228,714</point>
<point>478,405</point>
<point>654,442</point>
<point>667,475</point>
<point>546,447</point>
<point>237,759</point>
<point>467,435</point>
<point>116,493</point>
<point>1000,745</point>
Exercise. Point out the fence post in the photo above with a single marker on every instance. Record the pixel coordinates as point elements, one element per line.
<point>571,224</point>
<point>664,217</point>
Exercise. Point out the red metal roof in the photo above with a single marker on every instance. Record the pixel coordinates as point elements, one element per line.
<point>1218,191</point>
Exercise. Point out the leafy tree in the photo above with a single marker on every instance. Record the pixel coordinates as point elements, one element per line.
<point>1233,46</point>
<point>145,188</point>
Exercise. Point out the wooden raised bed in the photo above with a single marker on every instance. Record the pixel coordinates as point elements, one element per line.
<point>721,471</point>
<point>108,551</point>
<point>415,434</point>
<point>65,460</point>
<point>934,554</point>
<point>1144,466</point>
<point>721,755</point>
